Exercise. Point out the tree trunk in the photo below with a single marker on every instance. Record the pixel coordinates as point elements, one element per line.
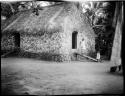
<point>12,9</point>
<point>116,49</point>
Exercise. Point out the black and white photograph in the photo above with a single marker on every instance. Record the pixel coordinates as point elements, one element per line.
<point>62,47</point>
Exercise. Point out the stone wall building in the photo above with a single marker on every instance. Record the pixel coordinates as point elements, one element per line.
<point>56,33</point>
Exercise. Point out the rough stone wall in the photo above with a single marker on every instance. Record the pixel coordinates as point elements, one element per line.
<point>66,40</point>
<point>75,21</point>
<point>7,42</point>
<point>47,45</point>
<point>89,42</point>
<point>85,32</point>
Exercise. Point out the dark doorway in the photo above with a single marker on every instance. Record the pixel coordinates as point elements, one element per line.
<point>74,40</point>
<point>17,40</point>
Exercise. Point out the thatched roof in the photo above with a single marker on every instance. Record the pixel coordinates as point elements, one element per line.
<point>50,19</point>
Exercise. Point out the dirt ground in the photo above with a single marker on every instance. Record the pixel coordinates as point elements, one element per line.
<point>35,77</point>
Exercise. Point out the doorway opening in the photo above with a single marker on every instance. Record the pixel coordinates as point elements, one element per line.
<point>17,40</point>
<point>74,40</point>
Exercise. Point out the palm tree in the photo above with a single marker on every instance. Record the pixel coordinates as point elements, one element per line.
<point>95,9</point>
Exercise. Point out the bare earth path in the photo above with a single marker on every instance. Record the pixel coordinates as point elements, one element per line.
<point>31,76</point>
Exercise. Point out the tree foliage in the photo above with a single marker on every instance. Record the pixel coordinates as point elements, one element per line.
<point>101,15</point>
<point>10,8</point>
<point>6,10</point>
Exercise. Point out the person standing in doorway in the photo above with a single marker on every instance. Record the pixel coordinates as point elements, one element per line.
<point>97,47</point>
